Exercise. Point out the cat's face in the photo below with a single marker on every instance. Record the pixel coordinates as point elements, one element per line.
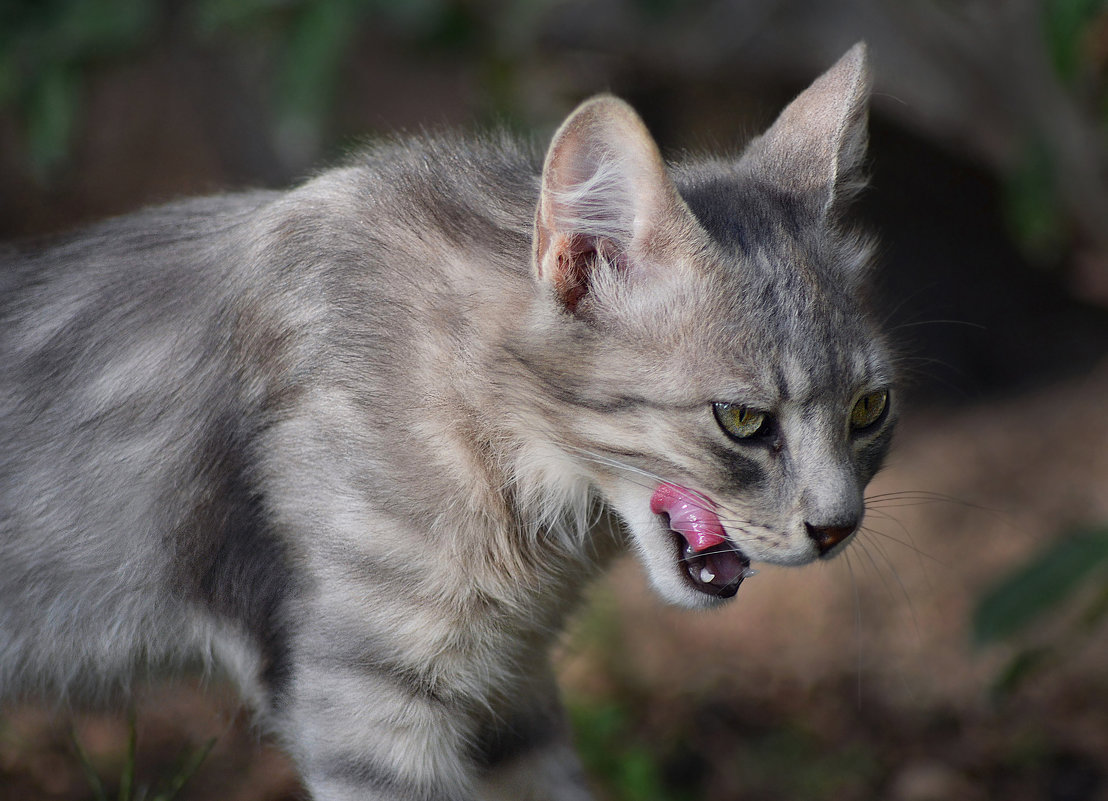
<point>740,425</point>
<point>726,392</point>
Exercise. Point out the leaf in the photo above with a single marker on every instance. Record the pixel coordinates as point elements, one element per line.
<point>1039,586</point>
<point>1031,203</point>
<point>1066,25</point>
<point>187,768</point>
<point>313,55</point>
<point>50,118</point>
<point>127,780</point>
<point>87,768</point>
<point>1023,666</point>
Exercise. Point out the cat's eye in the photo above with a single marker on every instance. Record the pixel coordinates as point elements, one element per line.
<point>740,422</point>
<point>869,409</point>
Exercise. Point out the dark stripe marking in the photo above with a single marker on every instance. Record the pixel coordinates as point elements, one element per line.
<point>503,742</point>
<point>230,559</point>
<point>743,472</point>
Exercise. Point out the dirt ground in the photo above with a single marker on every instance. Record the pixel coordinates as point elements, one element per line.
<point>851,680</point>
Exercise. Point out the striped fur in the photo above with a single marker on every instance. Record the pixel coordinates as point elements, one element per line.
<point>360,444</point>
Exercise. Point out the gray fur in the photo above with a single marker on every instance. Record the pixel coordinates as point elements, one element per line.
<point>355,443</point>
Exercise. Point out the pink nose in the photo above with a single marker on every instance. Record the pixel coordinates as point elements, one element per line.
<point>827,537</point>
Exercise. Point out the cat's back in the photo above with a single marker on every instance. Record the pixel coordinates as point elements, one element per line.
<point>142,358</point>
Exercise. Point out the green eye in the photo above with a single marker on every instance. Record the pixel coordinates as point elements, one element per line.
<point>868,409</point>
<point>740,422</point>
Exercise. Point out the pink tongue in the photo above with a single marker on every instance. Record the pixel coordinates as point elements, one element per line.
<point>688,516</point>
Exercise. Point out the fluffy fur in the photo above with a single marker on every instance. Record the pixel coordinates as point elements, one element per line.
<point>352,442</point>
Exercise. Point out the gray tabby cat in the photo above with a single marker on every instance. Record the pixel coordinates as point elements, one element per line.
<point>348,442</point>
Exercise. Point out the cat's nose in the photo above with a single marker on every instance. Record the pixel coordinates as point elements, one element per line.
<point>827,537</point>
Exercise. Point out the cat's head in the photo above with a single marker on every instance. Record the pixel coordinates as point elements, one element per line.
<point>716,375</point>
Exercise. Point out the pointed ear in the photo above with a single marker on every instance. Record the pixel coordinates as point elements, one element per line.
<point>815,149</point>
<point>606,201</point>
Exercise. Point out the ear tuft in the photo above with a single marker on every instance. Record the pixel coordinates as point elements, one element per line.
<point>816,147</point>
<point>606,200</point>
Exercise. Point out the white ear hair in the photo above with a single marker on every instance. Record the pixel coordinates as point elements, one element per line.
<point>601,206</point>
<point>606,199</point>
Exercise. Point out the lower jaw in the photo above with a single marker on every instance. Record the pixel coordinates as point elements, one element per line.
<point>714,572</point>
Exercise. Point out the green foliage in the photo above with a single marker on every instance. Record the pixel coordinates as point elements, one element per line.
<point>803,767</point>
<point>1041,584</point>
<point>1069,573</point>
<point>680,758</point>
<point>293,51</point>
<point>1066,25</point>
<point>1034,205</point>
<point>48,47</point>
<point>188,763</point>
<point>617,751</point>
<point>45,45</point>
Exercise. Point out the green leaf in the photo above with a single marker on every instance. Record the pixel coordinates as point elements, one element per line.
<point>187,767</point>
<point>1023,666</point>
<point>1040,585</point>
<point>313,55</point>
<point>50,117</point>
<point>1066,24</point>
<point>91,777</point>
<point>83,29</point>
<point>1031,203</point>
<point>127,779</point>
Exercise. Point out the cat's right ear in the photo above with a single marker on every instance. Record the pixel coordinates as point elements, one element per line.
<point>606,201</point>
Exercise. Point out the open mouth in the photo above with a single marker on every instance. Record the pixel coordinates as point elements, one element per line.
<point>710,562</point>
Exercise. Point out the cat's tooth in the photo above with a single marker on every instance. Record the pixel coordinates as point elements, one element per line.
<point>706,575</point>
<point>748,572</point>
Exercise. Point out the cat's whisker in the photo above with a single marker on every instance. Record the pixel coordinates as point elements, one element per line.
<point>618,464</point>
<point>923,496</point>
<point>914,368</point>
<point>693,496</point>
<point>883,514</point>
<point>857,619</point>
<point>921,323</point>
<point>895,574</point>
<point>863,546</point>
<point>908,541</point>
<point>913,498</point>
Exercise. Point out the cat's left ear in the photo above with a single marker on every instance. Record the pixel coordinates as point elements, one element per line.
<point>607,206</point>
<point>815,149</point>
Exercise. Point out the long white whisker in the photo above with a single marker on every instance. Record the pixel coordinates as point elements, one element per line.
<point>911,546</point>
<point>706,503</point>
<point>735,525</point>
<point>903,589</point>
<point>857,622</point>
<point>608,461</point>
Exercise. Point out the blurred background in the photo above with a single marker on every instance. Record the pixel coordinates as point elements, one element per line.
<point>959,650</point>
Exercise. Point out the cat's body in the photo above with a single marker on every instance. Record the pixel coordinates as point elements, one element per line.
<point>349,442</point>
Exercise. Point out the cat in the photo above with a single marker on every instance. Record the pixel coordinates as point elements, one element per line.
<point>356,444</point>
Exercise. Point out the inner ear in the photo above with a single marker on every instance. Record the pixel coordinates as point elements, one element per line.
<point>577,258</point>
<point>606,203</point>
